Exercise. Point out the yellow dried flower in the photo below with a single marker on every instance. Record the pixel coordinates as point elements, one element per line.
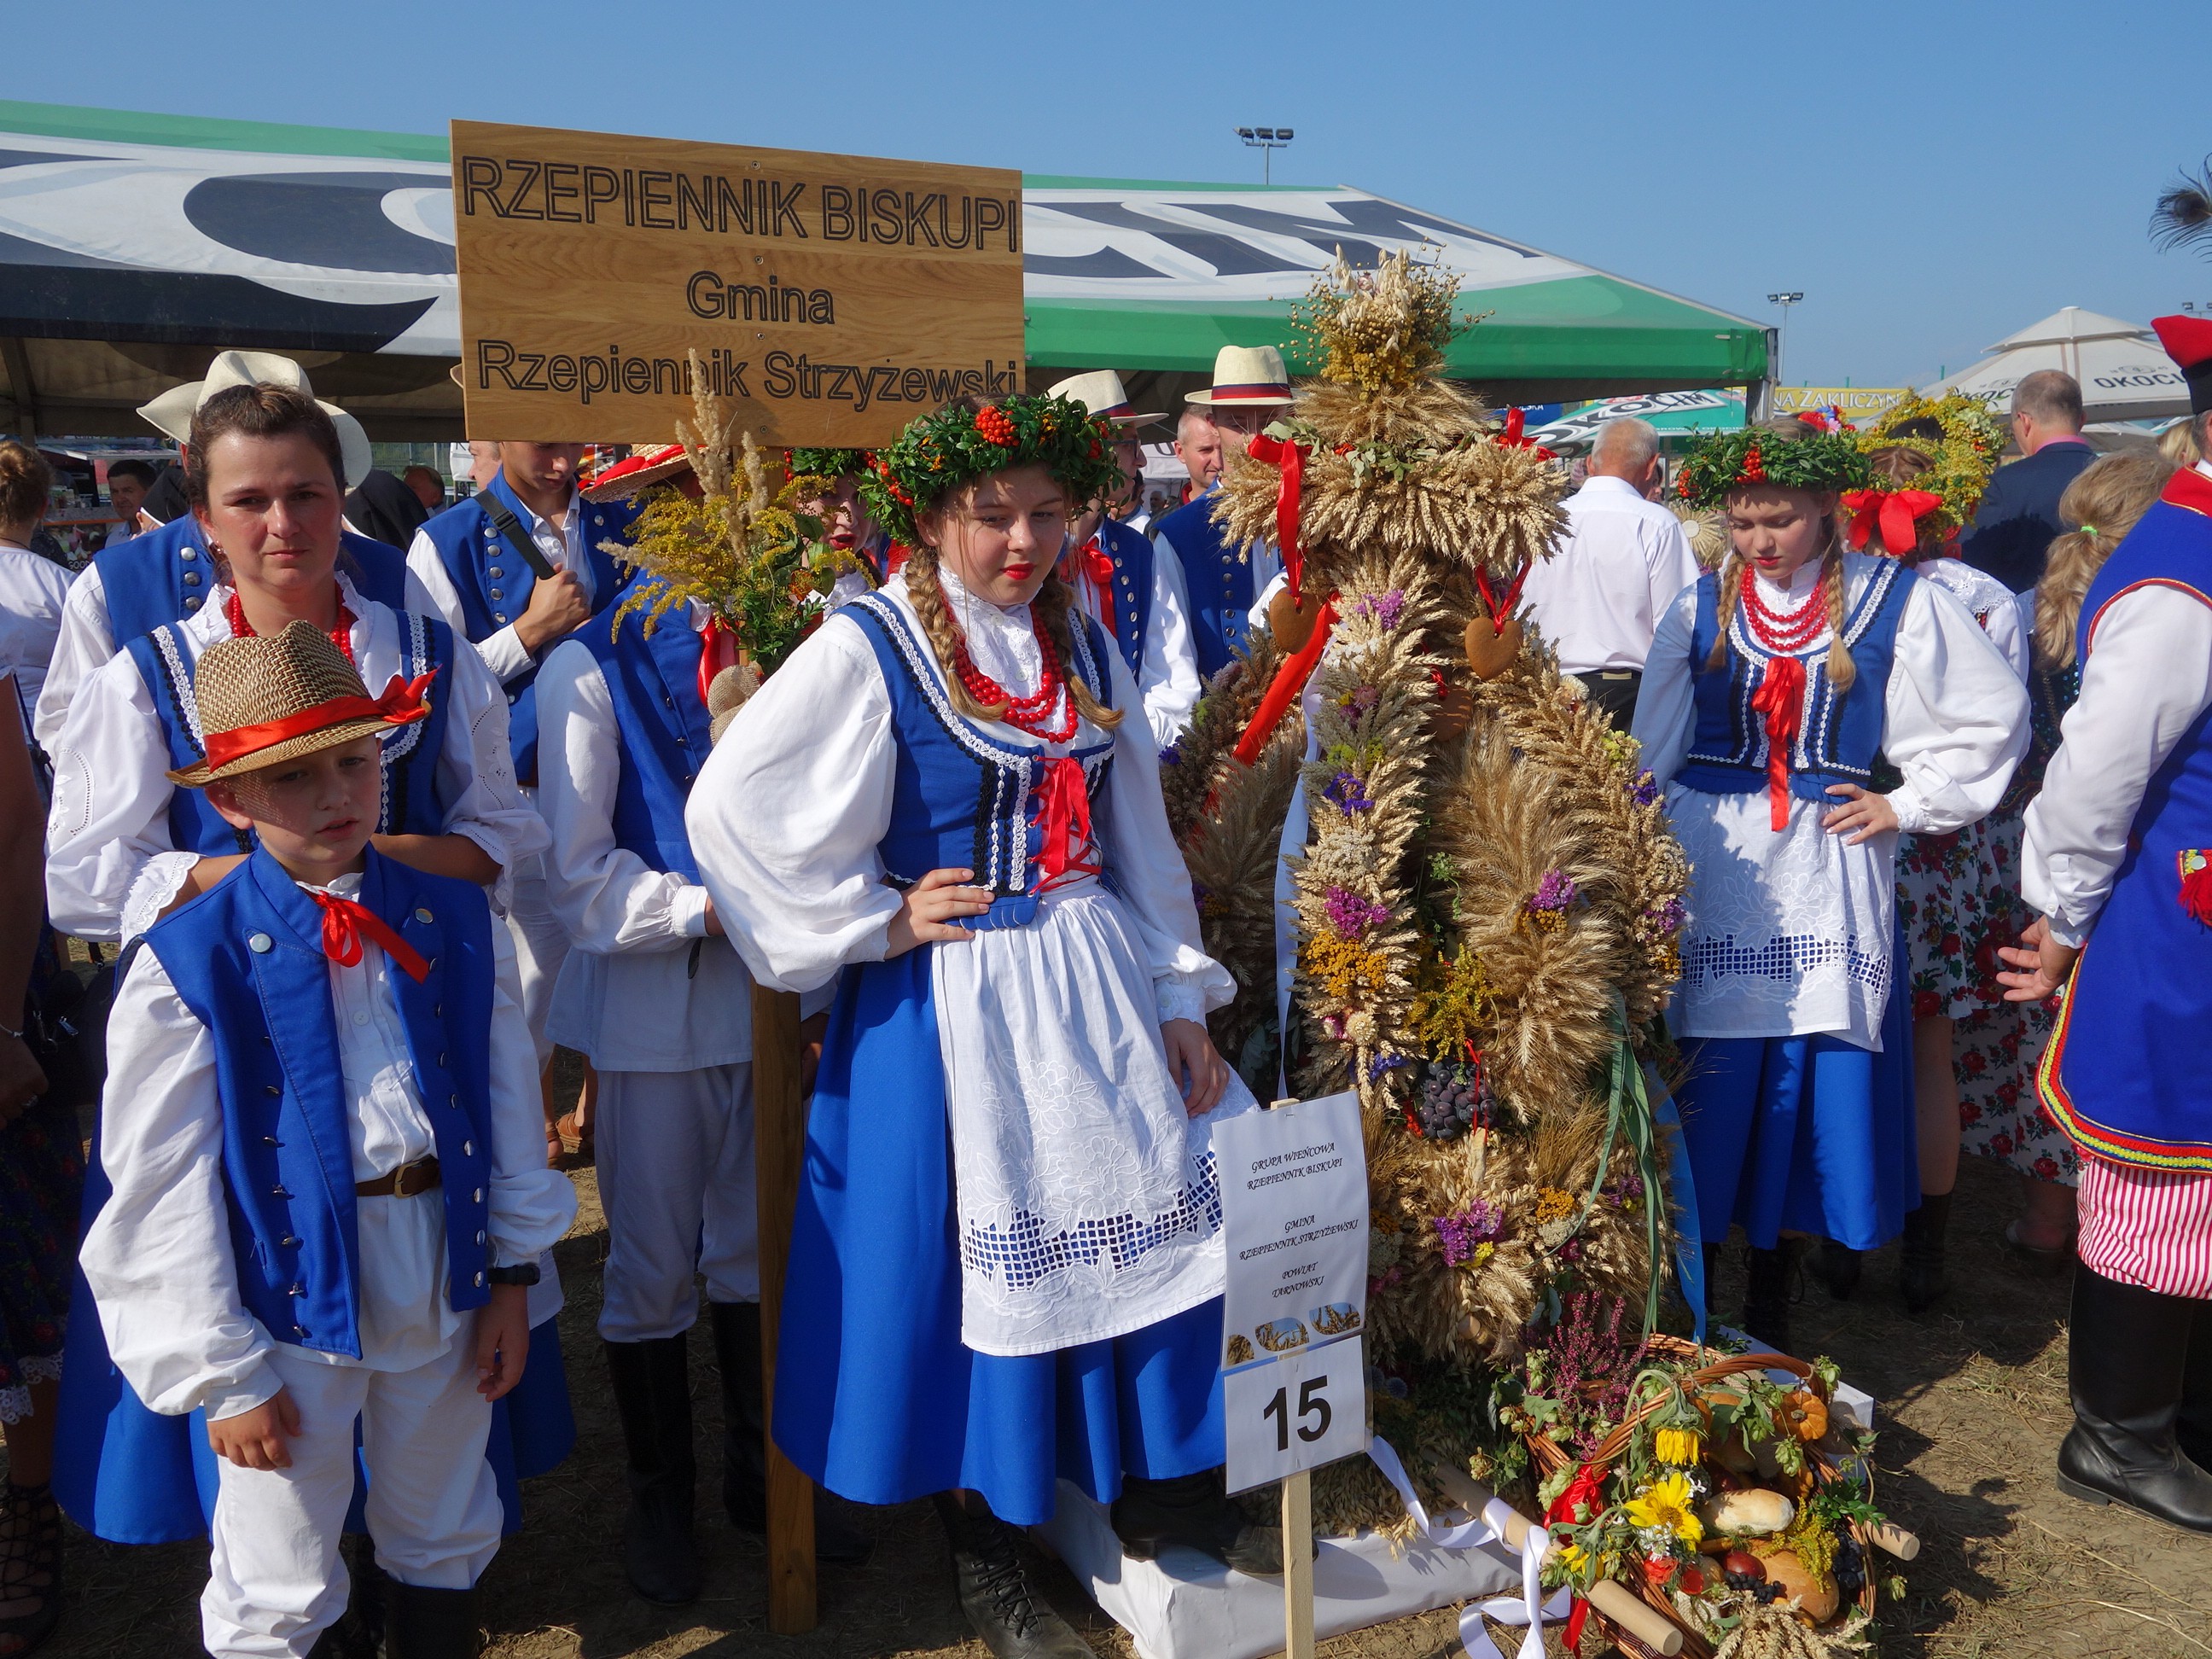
<point>1553,1205</point>
<point>1679,1446</point>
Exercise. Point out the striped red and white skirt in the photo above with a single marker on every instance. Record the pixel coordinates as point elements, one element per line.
<point>2151,1228</point>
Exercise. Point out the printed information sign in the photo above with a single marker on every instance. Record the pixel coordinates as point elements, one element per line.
<point>830,299</point>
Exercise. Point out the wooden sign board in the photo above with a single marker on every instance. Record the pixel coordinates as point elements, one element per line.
<point>830,299</point>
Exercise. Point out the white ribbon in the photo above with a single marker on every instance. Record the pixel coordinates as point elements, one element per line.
<point>1530,1610</point>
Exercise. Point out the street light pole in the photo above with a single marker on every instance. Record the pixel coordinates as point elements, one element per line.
<point>1266,140</point>
<point>1782,346</point>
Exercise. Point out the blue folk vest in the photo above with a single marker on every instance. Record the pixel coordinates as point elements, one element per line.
<point>246,958</point>
<point>2124,1073</point>
<point>165,574</point>
<point>413,803</point>
<point>1840,733</point>
<point>1216,575</point>
<point>960,800</point>
<point>1132,552</point>
<point>494,581</point>
<point>654,680</point>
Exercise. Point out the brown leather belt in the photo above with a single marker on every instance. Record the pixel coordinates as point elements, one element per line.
<point>409,1179</point>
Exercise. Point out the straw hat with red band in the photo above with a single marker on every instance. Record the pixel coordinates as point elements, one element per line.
<point>270,698</point>
<point>635,472</point>
<point>1102,392</point>
<point>1248,377</point>
<point>2188,341</point>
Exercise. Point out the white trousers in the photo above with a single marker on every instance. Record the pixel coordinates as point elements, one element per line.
<point>541,946</point>
<point>275,1581</point>
<point>676,1181</point>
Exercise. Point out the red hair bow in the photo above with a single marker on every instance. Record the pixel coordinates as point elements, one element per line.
<point>1897,511</point>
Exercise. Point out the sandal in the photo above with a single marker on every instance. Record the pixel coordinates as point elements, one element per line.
<point>574,1135</point>
<point>30,1565</point>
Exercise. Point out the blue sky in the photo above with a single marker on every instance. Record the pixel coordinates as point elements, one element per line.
<point>1931,176</point>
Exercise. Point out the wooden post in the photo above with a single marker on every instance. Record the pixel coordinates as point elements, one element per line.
<point>1297,1566</point>
<point>779,1146</point>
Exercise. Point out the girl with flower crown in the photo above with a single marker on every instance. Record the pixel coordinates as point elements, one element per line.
<point>1006,1262</point>
<point>1773,686</point>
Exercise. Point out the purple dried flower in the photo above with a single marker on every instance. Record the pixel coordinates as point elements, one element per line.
<point>1384,608</point>
<point>1555,892</point>
<point>1172,755</point>
<point>1351,914</point>
<point>1361,698</point>
<point>1348,793</point>
<point>1382,1063</point>
<point>1627,1191</point>
<point>1464,1231</point>
<point>1668,917</point>
<point>1644,790</point>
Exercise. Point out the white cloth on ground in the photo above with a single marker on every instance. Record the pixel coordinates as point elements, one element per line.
<point>275,1578</point>
<point>675,1152</point>
<point>562,545</point>
<point>109,826</point>
<point>1615,568</point>
<point>158,1255</point>
<point>2146,681</point>
<point>34,596</point>
<point>88,640</point>
<point>1078,1124</point>
<point>1791,934</point>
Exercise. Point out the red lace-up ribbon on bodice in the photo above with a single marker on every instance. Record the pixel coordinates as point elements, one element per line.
<point>1067,851</point>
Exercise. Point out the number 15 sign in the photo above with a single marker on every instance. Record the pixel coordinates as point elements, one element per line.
<point>1294,1201</point>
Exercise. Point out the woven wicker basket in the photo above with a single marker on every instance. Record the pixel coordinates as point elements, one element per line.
<point>1550,1458</point>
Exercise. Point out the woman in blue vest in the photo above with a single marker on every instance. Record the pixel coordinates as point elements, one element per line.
<point>1774,687</point>
<point>1006,1264</point>
<point>127,844</point>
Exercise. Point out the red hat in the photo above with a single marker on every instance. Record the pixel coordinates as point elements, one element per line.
<point>2188,341</point>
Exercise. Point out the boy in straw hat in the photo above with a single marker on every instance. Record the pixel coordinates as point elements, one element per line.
<point>167,574</point>
<point>321,1127</point>
<point>1221,579</point>
<point>1120,580</point>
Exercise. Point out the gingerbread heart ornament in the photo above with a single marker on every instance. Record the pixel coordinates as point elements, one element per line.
<point>1492,650</point>
<point>1292,625</point>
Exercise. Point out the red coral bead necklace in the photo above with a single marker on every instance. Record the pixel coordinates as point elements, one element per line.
<point>1032,713</point>
<point>1787,634</point>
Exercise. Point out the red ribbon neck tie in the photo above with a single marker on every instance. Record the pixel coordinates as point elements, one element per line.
<point>343,924</point>
<point>1586,1488</point>
<point>1289,680</point>
<point>1280,452</point>
<point>402,704</point>
<point>1095,566</point>
<point>1064,823</point>
<point>718,649</point>
<point>1781,698</point>
<point>1895,512</point>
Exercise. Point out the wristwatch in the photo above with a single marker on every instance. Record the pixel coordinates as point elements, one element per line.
<point>523,1273</point>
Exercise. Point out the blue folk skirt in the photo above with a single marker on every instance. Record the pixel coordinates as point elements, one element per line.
<point>133,1475</point>
<point>876,1397</point>
<point>1805,1134</point>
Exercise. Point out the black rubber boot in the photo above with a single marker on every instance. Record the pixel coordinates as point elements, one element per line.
<point>1921,1275</point>
<point>359,1633</point>
<point>2195,1430</point>
<point>993,1588</point>
<point>1193,1511</point>
<point>745,1457</point>
<point>1840,1269</point>
<point>1773,1281</point>
<point>2127,1354</point>
<point>652,1396</point>
<point>430,1624</point>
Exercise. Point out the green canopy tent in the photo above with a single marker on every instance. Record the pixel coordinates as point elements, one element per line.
<point>132,246</point>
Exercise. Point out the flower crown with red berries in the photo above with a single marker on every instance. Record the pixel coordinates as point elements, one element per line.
<point>1729,460</point>
<point>941,453</point>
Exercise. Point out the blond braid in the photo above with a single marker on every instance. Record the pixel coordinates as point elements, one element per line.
<point>1724,603</point>
<point>1051,606</point>
<point>1842,671</point>
<point>937,622</point>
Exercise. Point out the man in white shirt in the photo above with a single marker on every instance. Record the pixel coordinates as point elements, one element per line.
<point>1611,576</point>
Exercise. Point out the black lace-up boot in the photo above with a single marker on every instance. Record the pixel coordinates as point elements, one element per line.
<point>993,1590</point>
<point>1193,1511</point>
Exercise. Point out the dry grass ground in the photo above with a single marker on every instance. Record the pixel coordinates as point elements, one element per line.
<point>1973,1403</point>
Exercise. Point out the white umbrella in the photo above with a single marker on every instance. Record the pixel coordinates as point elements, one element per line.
<point>2125,373</point>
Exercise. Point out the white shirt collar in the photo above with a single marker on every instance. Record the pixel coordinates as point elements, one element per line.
<point>1606,484</point>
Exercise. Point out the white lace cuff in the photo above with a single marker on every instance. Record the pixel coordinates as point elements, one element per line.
<point>1180,997</point>
<point>153,889</point>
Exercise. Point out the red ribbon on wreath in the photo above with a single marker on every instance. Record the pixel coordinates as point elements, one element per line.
<point>1291,460</point>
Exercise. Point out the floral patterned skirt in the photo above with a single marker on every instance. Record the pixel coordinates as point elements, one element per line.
<point>1953,903</point>
<point>41,1181</point>
<point>1997,1048</point>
